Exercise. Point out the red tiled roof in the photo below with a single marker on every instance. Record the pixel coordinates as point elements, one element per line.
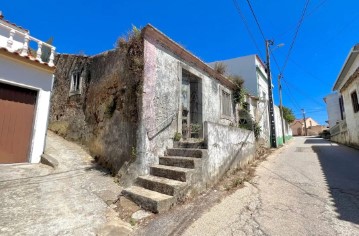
<point>30,59</point>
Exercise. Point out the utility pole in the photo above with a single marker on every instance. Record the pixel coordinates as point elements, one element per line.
<point>281,105</point>
<point>305,123</point>
<point>270,97</point>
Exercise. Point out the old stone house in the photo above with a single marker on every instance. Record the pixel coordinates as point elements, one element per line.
<point>347,84</point>
<point>25,88</point>
<point>131,104</point>
<point>313,128</point>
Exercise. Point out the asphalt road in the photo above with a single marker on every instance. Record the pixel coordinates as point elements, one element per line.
<point>310,187</point>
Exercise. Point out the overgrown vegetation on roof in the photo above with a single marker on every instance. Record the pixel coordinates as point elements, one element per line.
<point>220,68</point>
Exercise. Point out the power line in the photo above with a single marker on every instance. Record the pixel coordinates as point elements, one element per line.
<point>307,15</point>
<point>255,18</point>
<point>302,92</point>
<point>307,72</point>
<point>295,35</point>
<point>290,96</point>
<point>236,4</point>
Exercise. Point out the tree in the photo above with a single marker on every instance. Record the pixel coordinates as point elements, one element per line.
<point>288,114</point>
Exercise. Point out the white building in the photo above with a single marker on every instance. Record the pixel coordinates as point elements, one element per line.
<point>25,89</point>
<point>253,71</point>
<point>347,84</point>
<point>333,109</point>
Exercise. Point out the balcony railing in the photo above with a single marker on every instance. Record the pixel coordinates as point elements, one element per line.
<point>12,32</point>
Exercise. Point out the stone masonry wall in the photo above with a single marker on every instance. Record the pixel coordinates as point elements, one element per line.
<point>104,116</point>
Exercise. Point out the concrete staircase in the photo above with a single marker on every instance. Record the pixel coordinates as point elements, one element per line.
<point>176,175</point>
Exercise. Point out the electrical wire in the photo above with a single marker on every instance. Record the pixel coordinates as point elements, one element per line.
<point>289,94</point>
<point>255,18</point>
<point>303,93</point>
<point>236,5</point>
<point>300,22</point>
<point>317,7</point>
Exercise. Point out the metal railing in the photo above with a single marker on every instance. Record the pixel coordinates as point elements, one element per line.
<point>153,132</point>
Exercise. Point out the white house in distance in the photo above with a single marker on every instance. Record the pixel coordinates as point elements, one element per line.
<point>333,109</point>
<point>253,71</point>
<point>25,89</point>
<point>347,84</point>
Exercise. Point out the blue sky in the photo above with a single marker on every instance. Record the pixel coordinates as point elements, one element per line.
<point>212,30</point>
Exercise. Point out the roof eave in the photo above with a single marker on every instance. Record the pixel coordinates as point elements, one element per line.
<point>151,32</point>
<point>347,64</point>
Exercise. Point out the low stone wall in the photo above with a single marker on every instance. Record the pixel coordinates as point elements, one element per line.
<point>228,148</point>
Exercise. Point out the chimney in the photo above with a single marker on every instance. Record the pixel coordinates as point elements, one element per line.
<point>1,15</point>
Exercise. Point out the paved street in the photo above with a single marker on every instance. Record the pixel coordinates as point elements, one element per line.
<point>310,187</point>
<point>73,199</point>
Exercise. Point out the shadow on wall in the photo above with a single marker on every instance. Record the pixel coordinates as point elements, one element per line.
<point>340,166</point>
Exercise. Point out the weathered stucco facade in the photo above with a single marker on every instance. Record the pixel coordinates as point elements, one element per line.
<point>168,72</point>
<point>128,111</point>
<point>347,83</point>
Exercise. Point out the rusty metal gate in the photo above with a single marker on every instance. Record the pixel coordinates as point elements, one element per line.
<point>17,107</point>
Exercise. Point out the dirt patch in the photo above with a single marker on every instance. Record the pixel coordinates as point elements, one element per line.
<point>235,179</point>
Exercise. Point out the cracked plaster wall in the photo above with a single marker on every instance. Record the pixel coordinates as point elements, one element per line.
<point>160,105</point>
<point>228,148</point>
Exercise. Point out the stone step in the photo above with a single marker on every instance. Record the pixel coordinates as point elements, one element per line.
<point>190,144</point>
<point>161,185</point>
<point>184,162</point>
<point>171,172</point>
<point>187,152</point>
<point>149,200</point>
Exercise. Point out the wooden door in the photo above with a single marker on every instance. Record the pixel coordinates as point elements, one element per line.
<point>17,107</point>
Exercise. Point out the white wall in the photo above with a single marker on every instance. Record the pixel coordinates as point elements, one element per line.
<point>254,75</point>
<point>20,74</point>
<point>352,118</point>
<point>333,109</point>
<point>161,100</point>
<point>278,127</point>
<point>228,148</point>
<point>244,67</point>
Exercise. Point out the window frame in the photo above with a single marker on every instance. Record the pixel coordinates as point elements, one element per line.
<point>75,88</point>
<point>354,99</point>
<point>224,90</point>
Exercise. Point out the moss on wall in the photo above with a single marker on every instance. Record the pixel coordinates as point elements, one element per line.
<point>104,116</point>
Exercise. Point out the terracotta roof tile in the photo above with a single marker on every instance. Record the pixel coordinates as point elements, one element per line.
<point>31,58</point>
